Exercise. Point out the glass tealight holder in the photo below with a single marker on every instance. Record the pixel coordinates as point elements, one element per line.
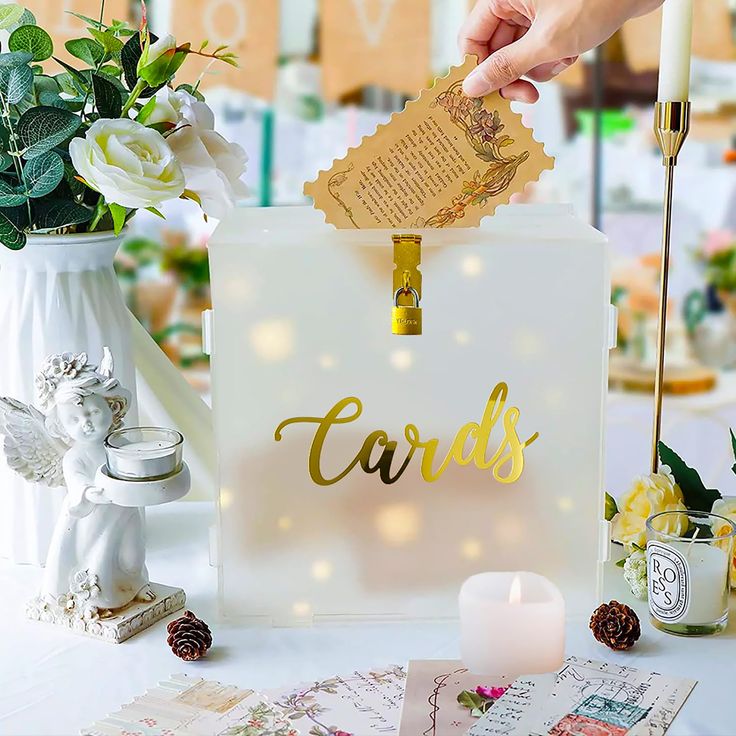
<point>689,558</point>
<point>144,453</point>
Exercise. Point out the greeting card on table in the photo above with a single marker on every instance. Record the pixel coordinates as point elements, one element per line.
<point>359,704</point>
<point>190,706</point>
<point>587,697</point>
<point>442,698</point>
<point>446,161</point>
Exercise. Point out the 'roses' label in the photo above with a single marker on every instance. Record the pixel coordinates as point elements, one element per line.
<point>668,579</point>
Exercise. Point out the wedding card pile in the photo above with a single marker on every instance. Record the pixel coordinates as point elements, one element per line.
<point>584,697</point>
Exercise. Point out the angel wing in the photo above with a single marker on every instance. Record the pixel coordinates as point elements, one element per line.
<point>29,449</point>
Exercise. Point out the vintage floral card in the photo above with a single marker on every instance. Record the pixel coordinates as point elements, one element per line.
<point>359,704</point>
<point>190,706</point>
<point>446,161</point>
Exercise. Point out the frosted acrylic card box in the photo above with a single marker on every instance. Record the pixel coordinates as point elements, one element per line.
<point>516,330</point>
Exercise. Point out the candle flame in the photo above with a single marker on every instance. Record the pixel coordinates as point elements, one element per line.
<point>515,592</point>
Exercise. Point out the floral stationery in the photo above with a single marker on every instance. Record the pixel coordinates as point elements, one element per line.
<point>190,706</point>
<point>359,704</point>
<point>587,697</point>
<point>443,698</point>
<point>446,161</point>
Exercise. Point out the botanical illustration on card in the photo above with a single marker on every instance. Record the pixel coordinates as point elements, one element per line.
<point>446,161</point>
<point>362,703</point>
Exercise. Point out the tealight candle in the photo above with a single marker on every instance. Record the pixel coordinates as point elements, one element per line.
<point>144,453</point>
<point>511,624</point>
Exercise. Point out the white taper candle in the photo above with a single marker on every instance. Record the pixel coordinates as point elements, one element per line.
<point>677,42</point>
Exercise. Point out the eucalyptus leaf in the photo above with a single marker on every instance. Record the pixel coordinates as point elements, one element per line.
<point>11,196</point>
<point>86,49</point>
<point>15,82</point>
<point>52,99</point>
<point>27,19</point>
<point>33,40</point>
<point>52,214</point>
<point>43,174</point>
<point>10,236</point>
<point>42,128</point>
<point>10,15</point>
<point>108,100</point>
<point>6,160</point>
<point>15,58</point>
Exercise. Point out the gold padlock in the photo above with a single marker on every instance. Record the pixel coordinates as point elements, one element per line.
<point>406,320</point>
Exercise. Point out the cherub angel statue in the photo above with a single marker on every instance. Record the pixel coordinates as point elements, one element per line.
<point>96,560</point>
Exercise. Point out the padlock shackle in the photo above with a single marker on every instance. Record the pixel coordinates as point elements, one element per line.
<point>411,290</point>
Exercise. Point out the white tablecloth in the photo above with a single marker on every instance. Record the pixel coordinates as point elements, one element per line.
<point>53,682</point>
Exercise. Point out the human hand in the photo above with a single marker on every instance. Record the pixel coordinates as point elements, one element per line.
<point>537,39</point>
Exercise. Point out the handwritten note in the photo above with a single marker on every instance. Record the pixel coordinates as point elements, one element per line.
<point>516,710</point>
<point>430,704</point>
<point>587,696</point>
<point>446,161</point>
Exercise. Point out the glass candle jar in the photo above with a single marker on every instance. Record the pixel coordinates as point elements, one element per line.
<point>689,556</point>
<point>144,453</point>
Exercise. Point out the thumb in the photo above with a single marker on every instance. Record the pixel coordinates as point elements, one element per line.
<point>504,66</point>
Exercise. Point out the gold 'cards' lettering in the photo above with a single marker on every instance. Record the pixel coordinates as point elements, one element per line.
<point>506,462</point>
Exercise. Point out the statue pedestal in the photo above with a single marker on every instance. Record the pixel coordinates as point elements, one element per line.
<point>136,617</point>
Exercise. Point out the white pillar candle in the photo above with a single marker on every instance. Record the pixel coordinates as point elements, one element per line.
<point>511,624</point>
<point>677,41</point>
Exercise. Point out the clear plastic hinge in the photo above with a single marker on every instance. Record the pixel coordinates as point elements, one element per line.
<point>207,332</point>
<point>604,542</point>
<point>613,327</point>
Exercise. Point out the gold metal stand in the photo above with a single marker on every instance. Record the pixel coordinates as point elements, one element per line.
<point>671,126</point>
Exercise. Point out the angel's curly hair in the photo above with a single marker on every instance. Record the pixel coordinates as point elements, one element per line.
<point>67,378</point>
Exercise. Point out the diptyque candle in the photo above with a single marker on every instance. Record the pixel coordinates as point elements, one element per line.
<point>512,623</point>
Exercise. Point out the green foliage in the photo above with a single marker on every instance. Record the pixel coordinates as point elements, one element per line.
<point>42,128</point>
<point>32,40</point>
<point>53,214</point>
<point>86,50</point>
<point>611,507</point>
<point>10,15</point>
<point>119,214</point>
<point>43,108</point>
<point>10,236</point>
<point>16,80</point>
<point>108,100</point>
<point>697,496</point>
<point>43,174</point>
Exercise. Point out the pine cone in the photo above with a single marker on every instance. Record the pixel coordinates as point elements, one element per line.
<point>189,637</point>
<point>615,625</point>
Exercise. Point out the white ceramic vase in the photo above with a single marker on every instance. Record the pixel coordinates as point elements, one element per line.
<point>58,294</point>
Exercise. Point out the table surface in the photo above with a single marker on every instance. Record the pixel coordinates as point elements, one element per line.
<point>54,682</point>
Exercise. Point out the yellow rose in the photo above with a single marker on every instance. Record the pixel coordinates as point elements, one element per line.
<point>726,507</point>
<point>649,495</point>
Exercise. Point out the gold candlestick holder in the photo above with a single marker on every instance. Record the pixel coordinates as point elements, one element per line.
<point>671,126</point>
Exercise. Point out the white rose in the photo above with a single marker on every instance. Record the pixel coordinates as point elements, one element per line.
<point>129,164</point>
<point>156,50</point>
<point>213,167</point>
